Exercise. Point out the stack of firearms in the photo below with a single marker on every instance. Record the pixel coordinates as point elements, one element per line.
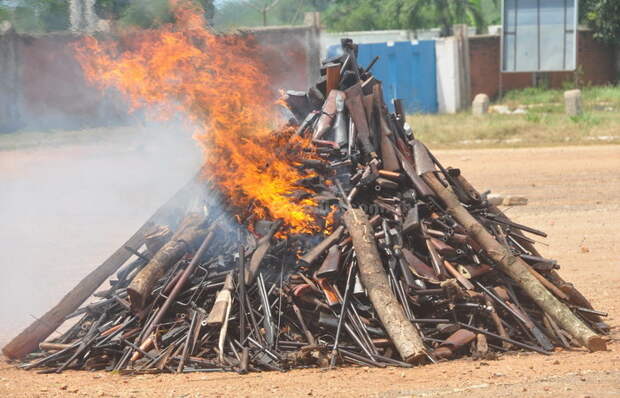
<point>412,265</point>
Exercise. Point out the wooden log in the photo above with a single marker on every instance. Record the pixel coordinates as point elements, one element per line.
<point>404,335</point>
<point>28,340</point>
<point>574,295</point>
<point>516,268</point>
<point>189,234</point>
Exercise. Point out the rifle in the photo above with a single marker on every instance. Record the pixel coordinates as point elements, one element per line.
<point>328,113</point>
<point>313,254</point>
<point>262,247</point>
<point>388,152</point>
<point>341,134</point>
<point>332,72</point>
<point>331,265</point>
<point>540,337</point>
<point>358,115</point>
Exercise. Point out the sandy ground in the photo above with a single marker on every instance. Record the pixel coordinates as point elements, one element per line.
<point>574,195</point>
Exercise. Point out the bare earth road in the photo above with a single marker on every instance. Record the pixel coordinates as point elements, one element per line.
<point>574,195</point>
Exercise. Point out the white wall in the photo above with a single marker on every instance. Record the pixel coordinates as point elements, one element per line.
<point>448,85</point>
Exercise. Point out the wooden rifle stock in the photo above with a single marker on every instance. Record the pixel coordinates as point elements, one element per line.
<point>331,265</point>
<point>356,110</point>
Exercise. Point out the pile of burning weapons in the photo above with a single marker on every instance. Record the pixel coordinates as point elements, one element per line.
<point>416,266</point>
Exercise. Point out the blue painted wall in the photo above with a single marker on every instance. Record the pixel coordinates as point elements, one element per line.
<point>407,70</point>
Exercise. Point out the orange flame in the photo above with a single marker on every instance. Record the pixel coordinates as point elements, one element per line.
<point>220,84</point>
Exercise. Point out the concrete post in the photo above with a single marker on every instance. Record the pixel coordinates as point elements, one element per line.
<point>313,41</point>
<point>572,102</point>
<point>461,34</point>
<point>480,106</point>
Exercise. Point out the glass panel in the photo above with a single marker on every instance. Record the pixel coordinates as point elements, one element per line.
<point>541,42</point>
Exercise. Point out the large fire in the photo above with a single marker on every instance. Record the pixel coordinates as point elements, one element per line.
<point>220,84</point>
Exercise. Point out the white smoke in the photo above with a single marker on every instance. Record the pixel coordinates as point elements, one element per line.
<point>65,209</point>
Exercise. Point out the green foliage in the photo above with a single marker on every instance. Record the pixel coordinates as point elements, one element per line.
<point>604,97</point>
<point>240,13</point>
<point>146,14</point>
<point>603,16</point>
<point>111,9</point>
<point>532,95</point>
<point>233,14</point>
<point>586,119</point>
<point>553,100</point>
<point>5,13</point>
<point>533,117</point>
<point>25,19</point>
<point>491,11</point>
<point>36,16</point>
<point>349,15</point>
<point>143,13</point>
<point>408,14</point>
<point>54,14</point>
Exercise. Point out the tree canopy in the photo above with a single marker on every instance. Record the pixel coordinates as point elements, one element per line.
<point>603,16</point>
<point>36,16</point>
<point>143,13</point>
<point>351,15</point>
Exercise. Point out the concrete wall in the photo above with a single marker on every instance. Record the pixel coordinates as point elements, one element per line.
<point>448,85</point>
<point>595,60</point>
<point>54,93</point>
<point>292,54</point>
<point>42,85</point>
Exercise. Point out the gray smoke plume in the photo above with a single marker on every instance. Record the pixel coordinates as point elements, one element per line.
<point>65,209</point>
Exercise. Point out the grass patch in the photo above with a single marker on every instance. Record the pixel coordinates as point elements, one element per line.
<point>532,95</point>
<point>544,122</point>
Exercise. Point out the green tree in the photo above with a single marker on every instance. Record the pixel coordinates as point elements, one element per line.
<point>241,13</point>
<point>603,16</point>
<point>37,16</point>
<point>54,14</point>
<point>143,13</point>
<point>416,14</point>
<point>5,13</point>
<point>349,15</point>
<point>409,14</point>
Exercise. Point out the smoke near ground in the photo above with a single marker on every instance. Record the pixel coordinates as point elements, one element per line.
<point>64,209</point>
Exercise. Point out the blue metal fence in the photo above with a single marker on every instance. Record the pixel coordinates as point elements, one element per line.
<point>406,69</point>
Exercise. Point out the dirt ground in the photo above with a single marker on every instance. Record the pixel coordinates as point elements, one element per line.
<point>574,195</point>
